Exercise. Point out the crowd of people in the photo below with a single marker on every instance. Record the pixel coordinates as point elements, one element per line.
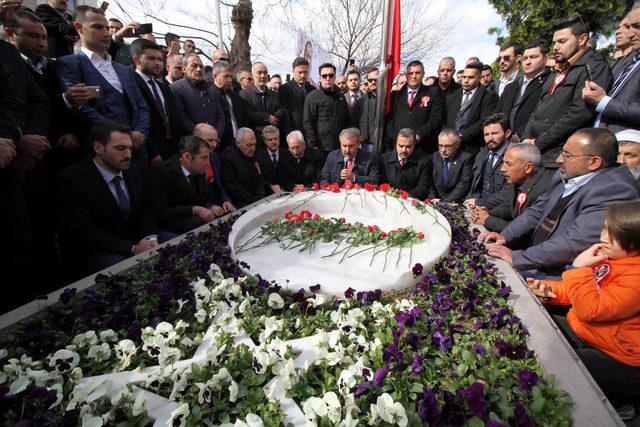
<point>110,146</point>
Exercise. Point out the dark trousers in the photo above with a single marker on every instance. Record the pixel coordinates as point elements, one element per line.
<point>619,382</point>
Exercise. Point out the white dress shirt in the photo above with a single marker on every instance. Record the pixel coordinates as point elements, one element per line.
<point>105,68</point>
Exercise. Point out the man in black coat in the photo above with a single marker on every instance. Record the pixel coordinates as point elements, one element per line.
<point>364,115</point>
<point>526,181</point>
<point>416,107</point>
<point>488,180</point>
<point>241,174</point>
<point>521,97</point>
<point>177,188</point>
<point>326,113</point>
<point>349,164</point>
<point>235,108</point>
<point>468,106</point>
<point>561,110</point>
<point>300,167</point>
<point>103,213</point>
<point>446,83</point>
<point>59,25</point>
<point>452,168</point>
<point>406,168</point>
<point>263,104</point>
<point>164,133</point>
<point>269,157</point>
<point>293,93</point>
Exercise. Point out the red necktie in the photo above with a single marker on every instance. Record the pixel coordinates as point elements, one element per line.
<point>412,96</point>
<point>349,168</point>
<point>402,162</point>
<point>209,173</point>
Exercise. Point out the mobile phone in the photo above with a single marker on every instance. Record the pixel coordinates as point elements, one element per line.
<point>143,29</point>
<point>352,62</point>
<point>94,91</point>
<point>104,6</point>
<point>174,49</point>
<point>589,77</point>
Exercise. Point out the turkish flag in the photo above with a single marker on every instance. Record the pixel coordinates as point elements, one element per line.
<point>393,47</point>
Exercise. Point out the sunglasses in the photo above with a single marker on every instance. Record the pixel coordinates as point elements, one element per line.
<point>372,80</point>
<point>327,76</point>
<point>505,57</point>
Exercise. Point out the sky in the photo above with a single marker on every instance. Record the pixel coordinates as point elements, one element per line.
<point>275,44</point>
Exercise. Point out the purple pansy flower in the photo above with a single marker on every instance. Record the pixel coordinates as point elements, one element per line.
<point>527,379</point>
<point>380,374</point>
<point>417,269</point>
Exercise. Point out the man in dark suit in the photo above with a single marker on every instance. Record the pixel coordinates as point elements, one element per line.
<point>521,97</point>
<point>509,65</point>
<point>488,180</point>
<point>468,106</point>
<point>60,29</point>
<point>241,174</point>
<point>119,98</point>
<point>619,107</point>
<point>235,108</point>
<point>406,168</point>
<point>269,157</point>
<point>416,107</point>
<point>526,180</point>
<point>452,169</point>
<point>446,83</point>
<point>301,166</point>
<point>561,110</point>
<point>568,218</point>
<point>293,93</point>
<point>263,104</point>
<point>349,164</point>
<point>103,214</point>
<point>177,188</point>
<point>163,123</point>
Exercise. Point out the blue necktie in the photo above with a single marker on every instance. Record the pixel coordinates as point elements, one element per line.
<point>123,201</point>
<point>445,171</point>
<point>623,75</point>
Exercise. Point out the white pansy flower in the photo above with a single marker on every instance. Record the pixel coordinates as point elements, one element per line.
<point>334,408</point>
<point>88,392</point>
<point>85,340</point>
<point>201,315</point>
<point>214,355</point>
<point>245,307</point>
<point>100,352</point>
<point>220,379</point>
<point>139,405</point>
<point>252,420</point>
<point>59,395</point>
<point>405,305</point>
<point>108,336</point>
<point>169,356</point>
<point>314,407</point>
<point>178,417</point>
<point>27,362</point>
<point>19,385</point>
<point>75,375</point>
<point>165,330</point>
<point>181,303</point>
<point>275,301</point>
<point>389,411</point>
<point>270,391</point>
<point>118,396</point>
<point>286,370</point>
<point>204,393</point>
<point>261,361</point>
<point>39,377</point>
<point>3,353</point>
<point>180,381</point>
<point>233,391</point>
<point>88,420</point>
<point>64,360</point>
<point>271,325</point>
<point>215,273</point>
<point>181,326</point>
<point>346,381</point>
<point>317,300</point>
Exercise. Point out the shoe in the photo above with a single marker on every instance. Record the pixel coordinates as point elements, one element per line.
<point>626,412</point>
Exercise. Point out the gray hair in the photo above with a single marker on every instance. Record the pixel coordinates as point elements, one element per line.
<point>244,133</point>
<point>450,133</point>
<point>239,74</point>
<point>406,133</point>
<point>528,152</point>
<point>221,66</point>
<point>448,59</point>
<point>350,134</point>
<point>188,56</point>
<point>297,135</point>
<point>175,56</point>
<point>270,129</point>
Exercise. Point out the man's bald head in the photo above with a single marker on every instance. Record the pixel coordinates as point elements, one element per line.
<point>208,133</point>
<point>220,55</point>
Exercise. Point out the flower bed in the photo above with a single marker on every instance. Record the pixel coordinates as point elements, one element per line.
<point>190,327</point>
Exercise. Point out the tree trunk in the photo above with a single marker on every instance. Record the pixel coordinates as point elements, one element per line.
<point>241,16</point>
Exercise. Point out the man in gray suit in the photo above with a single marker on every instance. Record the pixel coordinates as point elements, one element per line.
<point>619,108</point>
<point>568,219</point>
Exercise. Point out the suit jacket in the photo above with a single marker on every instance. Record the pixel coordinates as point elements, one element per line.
<point>453,86</point>
<point>579,223</point>
<point>242,177</point>
<point>304,171</point>
<point>270,173</point>
<point>292,101</point>
<point>424,116</point>
<point>501,215</point>
<point>257,111</point>
<point>482,105</point>
<point>487,193</point>
<point>89,219</point>
<point>562,112</point>
<point>363,117</point>
<point>495,85</point>
<point>172,197</point>
<point>460,175</point>
<point>364,166</point>
<point>623,109</point>
<point>519,111</point>
<point>57,28</point>
<point>157,140</point>
<point>415,176</point>
<point>73,69</point>
<point>197,105</point>
<point>240,113</point>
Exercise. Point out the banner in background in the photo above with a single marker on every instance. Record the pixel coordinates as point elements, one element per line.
<point>309,49</point>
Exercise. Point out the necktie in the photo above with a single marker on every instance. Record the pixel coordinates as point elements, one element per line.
<point>274,159</point>
<point>491,160</point>
<point>465,99</point>
<point>412,96</point>
<point>623,75</point>
<point>354,98</point>
<point>445,171</point>
<point>403,162</point>
<point>209,173</point>
<point>163,112</point>
<point>123,201</point>
<point>349,168</point>
<point>523,89</point>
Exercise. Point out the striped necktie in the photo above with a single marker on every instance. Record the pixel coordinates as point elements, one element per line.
<point>623,75</point>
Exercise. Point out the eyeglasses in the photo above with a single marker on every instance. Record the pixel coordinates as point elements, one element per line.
<point>569,155</point>
<point>327,76</point>
<point>505,57</point>
<point>247,78</point>
<point>447,147</point>
<point>372,80</point>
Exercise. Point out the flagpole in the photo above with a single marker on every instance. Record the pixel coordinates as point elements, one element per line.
<point>381,87</point>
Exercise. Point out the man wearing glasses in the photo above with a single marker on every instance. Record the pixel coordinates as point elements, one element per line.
<point>509,64</point>
<point>561,110</point>
<point>568,219</point>
<point>364,112</point>
<point>452,169</point>
<point>326,112</point>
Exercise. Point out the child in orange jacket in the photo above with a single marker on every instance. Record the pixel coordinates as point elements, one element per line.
<point>603,289</point>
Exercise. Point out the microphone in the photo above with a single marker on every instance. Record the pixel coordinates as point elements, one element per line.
<point>345,160</point>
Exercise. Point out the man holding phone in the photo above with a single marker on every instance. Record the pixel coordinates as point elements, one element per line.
<point>59,24</point>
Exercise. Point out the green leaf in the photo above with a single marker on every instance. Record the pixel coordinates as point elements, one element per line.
<point>475,422</point>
